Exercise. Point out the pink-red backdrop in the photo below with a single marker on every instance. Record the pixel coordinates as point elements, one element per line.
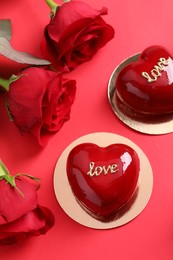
<point>138,24</point>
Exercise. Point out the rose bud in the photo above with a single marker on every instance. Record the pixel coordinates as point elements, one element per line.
<point>74,34</point>
<point>20,214</point>
<point>39,101</point>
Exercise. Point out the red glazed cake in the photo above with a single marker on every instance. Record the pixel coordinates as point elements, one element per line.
<point>144,88</point>
<point>103,179</point>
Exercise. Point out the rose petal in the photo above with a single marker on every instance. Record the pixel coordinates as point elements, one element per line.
<point>33,223</point>
<point>69,13</point>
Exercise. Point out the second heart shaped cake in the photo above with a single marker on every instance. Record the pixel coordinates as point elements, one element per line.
<point>102,179</point>
<point>145,88</point>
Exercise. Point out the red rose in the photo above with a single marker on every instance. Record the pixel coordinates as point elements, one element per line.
<point>40,101</point>
<point>12,204</point>
<point>75,34</point>
<point>20,214</point>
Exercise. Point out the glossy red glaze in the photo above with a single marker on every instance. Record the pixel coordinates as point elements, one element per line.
<point>136,94</point>
<point>114,177</point>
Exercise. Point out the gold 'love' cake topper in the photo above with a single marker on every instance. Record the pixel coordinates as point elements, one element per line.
<point>96,171</point>
<point>156,71</point>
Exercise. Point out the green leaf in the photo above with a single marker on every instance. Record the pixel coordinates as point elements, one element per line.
<point>14,78</point>
<point>21,57</point>
<point>5,29</point>
<point>10,179</point>
<point>5,83</point>
<point>3,169</point>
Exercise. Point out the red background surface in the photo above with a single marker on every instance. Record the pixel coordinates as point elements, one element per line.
<point>138,24</point>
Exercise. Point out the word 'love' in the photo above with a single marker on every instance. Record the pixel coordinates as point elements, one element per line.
<point>156,71</point>
<point>101,169</point>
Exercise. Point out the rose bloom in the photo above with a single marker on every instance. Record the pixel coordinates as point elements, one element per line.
<point>40,101</point>
<point>74,35</point>
<point>20,214</point>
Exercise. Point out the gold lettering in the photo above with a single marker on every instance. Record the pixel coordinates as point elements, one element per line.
<point>91,165</point>
<point>114,168</point>
<point>164,61</point>
<point>147,76</point>
<point>156,71</point>
<point>97,170</point>
<point>101,169</point>
<point>109,168</point>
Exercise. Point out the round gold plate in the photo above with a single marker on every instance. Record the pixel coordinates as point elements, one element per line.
<point>162,126</point>
<point>70,205</point>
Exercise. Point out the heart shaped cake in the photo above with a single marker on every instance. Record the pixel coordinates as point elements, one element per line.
<point>102,179</point>
<point>145,88</point>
